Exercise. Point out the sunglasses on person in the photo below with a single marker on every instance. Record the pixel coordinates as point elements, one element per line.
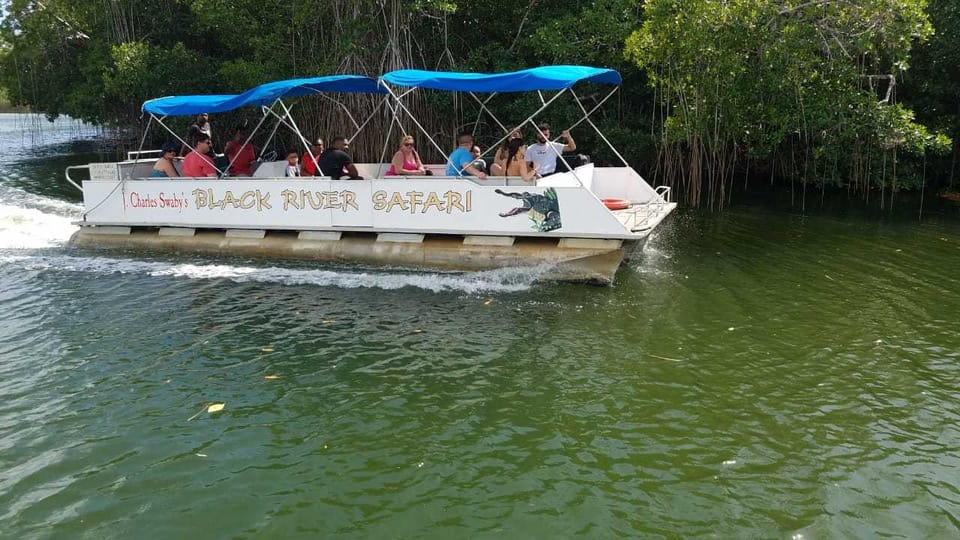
<point>408,144</point>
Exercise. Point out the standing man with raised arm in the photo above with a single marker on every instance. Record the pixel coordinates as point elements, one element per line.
<point>201,126</point>
<point>543,155</point>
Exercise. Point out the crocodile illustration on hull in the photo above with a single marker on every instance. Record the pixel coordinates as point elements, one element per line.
<point>543,210</point>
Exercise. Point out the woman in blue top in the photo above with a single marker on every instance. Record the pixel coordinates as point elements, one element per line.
<point>164,168</point>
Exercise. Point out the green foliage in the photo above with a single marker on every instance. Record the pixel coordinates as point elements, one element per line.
<point>764,77</point>
<point>787,89</point>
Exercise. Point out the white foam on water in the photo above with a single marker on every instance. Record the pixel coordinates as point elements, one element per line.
<point>17,197</point>
<point>29,228</point>
<point>32,222</point>
<point>500,280</point>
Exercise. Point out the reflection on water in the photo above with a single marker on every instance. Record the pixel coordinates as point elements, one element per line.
<point>752,375</point>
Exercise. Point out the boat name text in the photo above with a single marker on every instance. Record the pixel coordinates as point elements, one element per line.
<point>383,201</point>
<point>162,200</point>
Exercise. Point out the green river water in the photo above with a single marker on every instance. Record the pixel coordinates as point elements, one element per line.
<point>753,375</point>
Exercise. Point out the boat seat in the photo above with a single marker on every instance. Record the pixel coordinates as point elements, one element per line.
<point>270,169</point>
<point>372,170</point>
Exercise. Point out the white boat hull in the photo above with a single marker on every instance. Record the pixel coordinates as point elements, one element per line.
<point>560,223</point>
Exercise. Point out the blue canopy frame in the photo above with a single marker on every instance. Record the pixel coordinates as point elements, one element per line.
<point>560,78</point>
<point>265,94</point>
<point>525,80</point>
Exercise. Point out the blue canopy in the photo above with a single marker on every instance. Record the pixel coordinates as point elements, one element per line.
<point>265,94</point>
<point>525,80</point>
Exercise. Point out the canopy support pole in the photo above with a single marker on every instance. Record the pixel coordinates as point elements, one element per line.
<point>170,131</point>
<point>594,126</point>
<point>594,109</point>
<point>529,120</point>
<point>386,139</point>
<point>483,107</point>
<point>342,106</point>
<point>246,142</point>
<point>415,121</point>
<point>369,117</point>
<point>268,111</point>
<point>143,139</point>
<point>286,113</point>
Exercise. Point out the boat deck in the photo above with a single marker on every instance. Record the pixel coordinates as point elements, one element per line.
<point>643,217</point>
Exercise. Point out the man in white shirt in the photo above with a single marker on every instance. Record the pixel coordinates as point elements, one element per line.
<point>543,158</point>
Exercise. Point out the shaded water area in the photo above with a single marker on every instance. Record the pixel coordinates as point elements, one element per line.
<point>753,375</point>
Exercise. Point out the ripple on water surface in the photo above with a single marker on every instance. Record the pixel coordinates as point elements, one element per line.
<point>749,376</point>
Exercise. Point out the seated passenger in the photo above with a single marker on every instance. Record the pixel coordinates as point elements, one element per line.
<point>240,153</point>
<point>543,155</point>
<point>514,163</point>
<point>406,161</point>
<point>164,168</point>
<point>460,161</point>
<point>310,159</point>
<point>479,163</point>
<point>500,158</point>
<point>336,163</point>
<point>202,125</point>
<point>293,167</point>
<point>198,163</point>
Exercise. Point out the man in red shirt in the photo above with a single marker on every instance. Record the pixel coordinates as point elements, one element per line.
<point>309,163</point>
<point>240,154</point>
<point>198,163</point>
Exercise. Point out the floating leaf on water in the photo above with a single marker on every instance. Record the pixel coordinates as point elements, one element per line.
<point>267,349</point>
<point>198,454</point>
<point>488,301</point>
<point>730,462</point>
<point>417,330</point>
<point>328,321</point>
<point>271,377</point>
<point>663,358</point>
<point>215,407</point>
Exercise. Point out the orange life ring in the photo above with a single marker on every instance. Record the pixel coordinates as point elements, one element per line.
<point>617,204</point>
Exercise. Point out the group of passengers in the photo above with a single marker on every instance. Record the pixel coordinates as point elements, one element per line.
<point>197,163</point>
<point>198,156</point>
<point>334,162</point>
<point>513,158</point>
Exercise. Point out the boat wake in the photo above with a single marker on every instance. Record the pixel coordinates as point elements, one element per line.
<point>34,231</point>
<point>24,228</point>
<point>500,280</point>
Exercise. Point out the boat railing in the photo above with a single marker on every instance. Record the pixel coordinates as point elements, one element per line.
<point>70,178</point>
<point>140,154</point>
<point>642,213</point>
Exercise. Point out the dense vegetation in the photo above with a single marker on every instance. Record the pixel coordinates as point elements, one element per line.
<point>855,94</point>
